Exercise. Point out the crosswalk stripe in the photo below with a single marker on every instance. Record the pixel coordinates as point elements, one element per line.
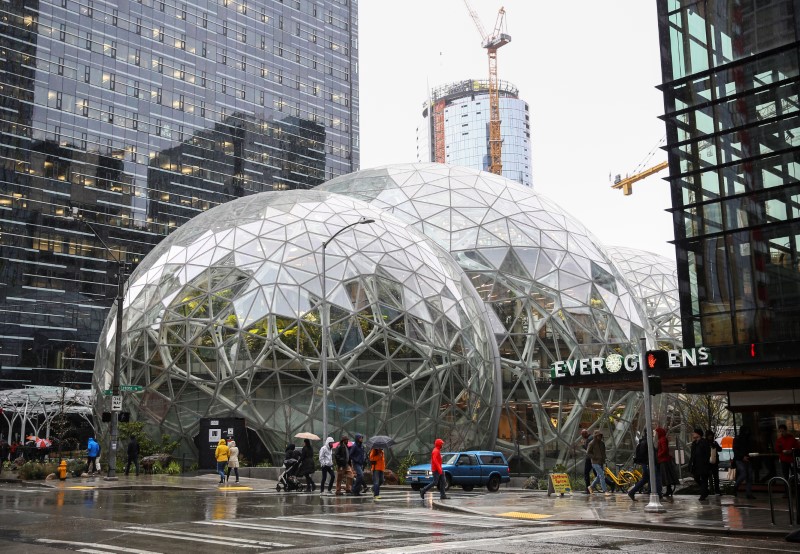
<point>336,522</point>
<point>262,527</point>
<point>98,545</point>
<point>159,533</point>
<point>181,534</point>
<point>465,522</point>
<point>473,544</point>
<point>95,551</point>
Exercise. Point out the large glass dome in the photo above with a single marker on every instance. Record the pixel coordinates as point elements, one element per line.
<point>654,280</point>
<point>552,292</point>
<point>223,319</point>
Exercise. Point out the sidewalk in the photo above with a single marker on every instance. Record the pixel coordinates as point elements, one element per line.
<point>719,514</point>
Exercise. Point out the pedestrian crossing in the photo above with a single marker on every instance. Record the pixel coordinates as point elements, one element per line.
<point>279,532</point>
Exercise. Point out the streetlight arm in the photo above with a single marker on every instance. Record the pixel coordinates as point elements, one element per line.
<point>98,237</point>
<point>361,221</point>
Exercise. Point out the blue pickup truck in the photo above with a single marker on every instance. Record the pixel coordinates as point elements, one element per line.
<point>468,469</point>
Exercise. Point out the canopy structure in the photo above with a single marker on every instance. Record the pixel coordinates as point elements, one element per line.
<point>31,410</point>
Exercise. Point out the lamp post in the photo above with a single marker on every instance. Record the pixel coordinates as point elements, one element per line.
<point>323,355</point>
<point>112,456</point>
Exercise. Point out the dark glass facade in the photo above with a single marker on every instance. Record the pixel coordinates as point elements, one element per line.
<point>730,82</point>
<point>137,116</point>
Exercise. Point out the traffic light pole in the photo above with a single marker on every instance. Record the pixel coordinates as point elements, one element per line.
<point>655,505</point>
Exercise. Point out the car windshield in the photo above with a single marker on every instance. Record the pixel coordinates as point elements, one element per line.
<point>449,457</point>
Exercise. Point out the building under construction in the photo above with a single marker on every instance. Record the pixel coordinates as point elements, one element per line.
<point>455,128</point>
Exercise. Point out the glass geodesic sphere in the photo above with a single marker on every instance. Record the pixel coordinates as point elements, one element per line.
<point>552,292</point>
<point>223,318</point>
<point>654,281</point>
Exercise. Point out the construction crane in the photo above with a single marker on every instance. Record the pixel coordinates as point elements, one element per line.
<point>492,43</point>
<point>639,173</point>
<point>626,183</point>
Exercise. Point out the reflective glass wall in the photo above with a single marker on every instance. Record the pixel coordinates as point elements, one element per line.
<point>136,116</point>
<point>455,130</point>
<point>730,73</point>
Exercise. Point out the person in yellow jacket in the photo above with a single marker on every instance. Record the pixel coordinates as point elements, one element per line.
<point>221,454</point>
<point>377,459</point>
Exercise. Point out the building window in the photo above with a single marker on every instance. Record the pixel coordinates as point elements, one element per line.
<point>114,17</point>
<point>87,74</point>
<point>244,63</point>
<point>88,41</point>
<point>60,66</point>
<point>205,21</point>
<point>202,78</point>
<point>138,25</point>
<point>137,57</point>
<point>160,64</point>
<point>62,32</point>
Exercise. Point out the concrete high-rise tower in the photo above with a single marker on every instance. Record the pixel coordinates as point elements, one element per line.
<point>455,128</point>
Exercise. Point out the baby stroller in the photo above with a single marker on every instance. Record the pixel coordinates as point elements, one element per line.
<point>288,479</point>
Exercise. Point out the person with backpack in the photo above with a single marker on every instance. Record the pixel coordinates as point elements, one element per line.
<point>597,452</point>
<point>358,460</point>
<point>344,475</point>
<point>713,463</point>
<point>221,454</point>
<point>699,463</point>
<point>642,457</point>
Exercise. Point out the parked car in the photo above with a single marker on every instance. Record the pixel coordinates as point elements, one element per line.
<point>468,469</point>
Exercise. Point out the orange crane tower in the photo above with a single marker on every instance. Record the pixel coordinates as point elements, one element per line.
<point>492,43</point>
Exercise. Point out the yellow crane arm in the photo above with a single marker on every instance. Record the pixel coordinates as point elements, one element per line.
<point>625,184</point>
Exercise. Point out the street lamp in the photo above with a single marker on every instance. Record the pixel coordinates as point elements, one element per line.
<point>323,359</point>
<point>112,457</point>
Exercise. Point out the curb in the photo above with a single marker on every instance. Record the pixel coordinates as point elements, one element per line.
<point>725,531</point>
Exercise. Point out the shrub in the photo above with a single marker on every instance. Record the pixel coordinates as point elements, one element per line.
<point>33,471</point>
<point>408,461</point>
<point>174,468</point>
<point>157,469</point>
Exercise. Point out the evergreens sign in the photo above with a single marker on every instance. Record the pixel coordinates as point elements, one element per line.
<point>615,363</point>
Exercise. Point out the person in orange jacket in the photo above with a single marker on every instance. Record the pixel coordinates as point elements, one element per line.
<point>436,470</point>
<point>377,459</point>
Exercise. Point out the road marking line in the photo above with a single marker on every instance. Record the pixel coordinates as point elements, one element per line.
<point>82,488</point>
<point>228,539</point>
<point>262,527</point>
<point>481,524</point>
<point>747,547</point>
<point>158,533</point>
<point>234,488</point>
<point>98,545</point>
<point>524,515</point>
<point>93,551</point>
<point>333,522</point>
<point>469,544</point>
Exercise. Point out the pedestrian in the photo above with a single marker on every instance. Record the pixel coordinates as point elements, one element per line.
<point>377,461</point>
<point>344,476</point>
<point>742,446</point>
<point>326,464</point>
<point>699,461</point>
<point>92,452</point>
<point>585,439</point>
<point>436,471</point>
<point>597,452</point>
<point>233,460</point>
<point>358,460</point>
<point>666,467</point>
<point>784,446</point>
<point>221,455</point>
<point>713,464</point>
<point>307,465</point>
<point>642,457</point>
<point>133,456</point>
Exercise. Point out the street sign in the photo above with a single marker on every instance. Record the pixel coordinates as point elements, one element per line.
<point>131,388</point>
<point>116,403</point>
<point>108,392</point>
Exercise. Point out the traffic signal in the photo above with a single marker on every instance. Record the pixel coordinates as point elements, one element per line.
<point>124,417</point>
<point>106,417</point>
<point>656,360</point>
<point>654,384</point>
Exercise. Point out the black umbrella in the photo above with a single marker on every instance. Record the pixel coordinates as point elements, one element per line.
<point>380,441</point>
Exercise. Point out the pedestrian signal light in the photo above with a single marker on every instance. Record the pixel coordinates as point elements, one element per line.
<point>656,359</point>
<point>654,384</point>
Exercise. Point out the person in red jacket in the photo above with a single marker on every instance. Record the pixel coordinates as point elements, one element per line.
<point>784,446</point>
<point>664,462</point>
<point>436,470</point>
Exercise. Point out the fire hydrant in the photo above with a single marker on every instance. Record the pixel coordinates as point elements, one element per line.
<point>62,470</point>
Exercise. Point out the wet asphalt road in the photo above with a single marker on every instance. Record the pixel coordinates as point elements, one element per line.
<point>36,520</point>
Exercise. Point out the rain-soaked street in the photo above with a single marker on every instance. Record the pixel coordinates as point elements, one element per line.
<point>83,518</point>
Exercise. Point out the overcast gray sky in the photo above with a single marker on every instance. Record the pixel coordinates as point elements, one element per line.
<point>587,69</point>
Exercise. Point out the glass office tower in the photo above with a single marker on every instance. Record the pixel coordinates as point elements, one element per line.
<point>455,130</point>
<point>730,83</point>
<point>125,120</point>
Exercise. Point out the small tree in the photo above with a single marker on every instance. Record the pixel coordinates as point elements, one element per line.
<point>147,446</point>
